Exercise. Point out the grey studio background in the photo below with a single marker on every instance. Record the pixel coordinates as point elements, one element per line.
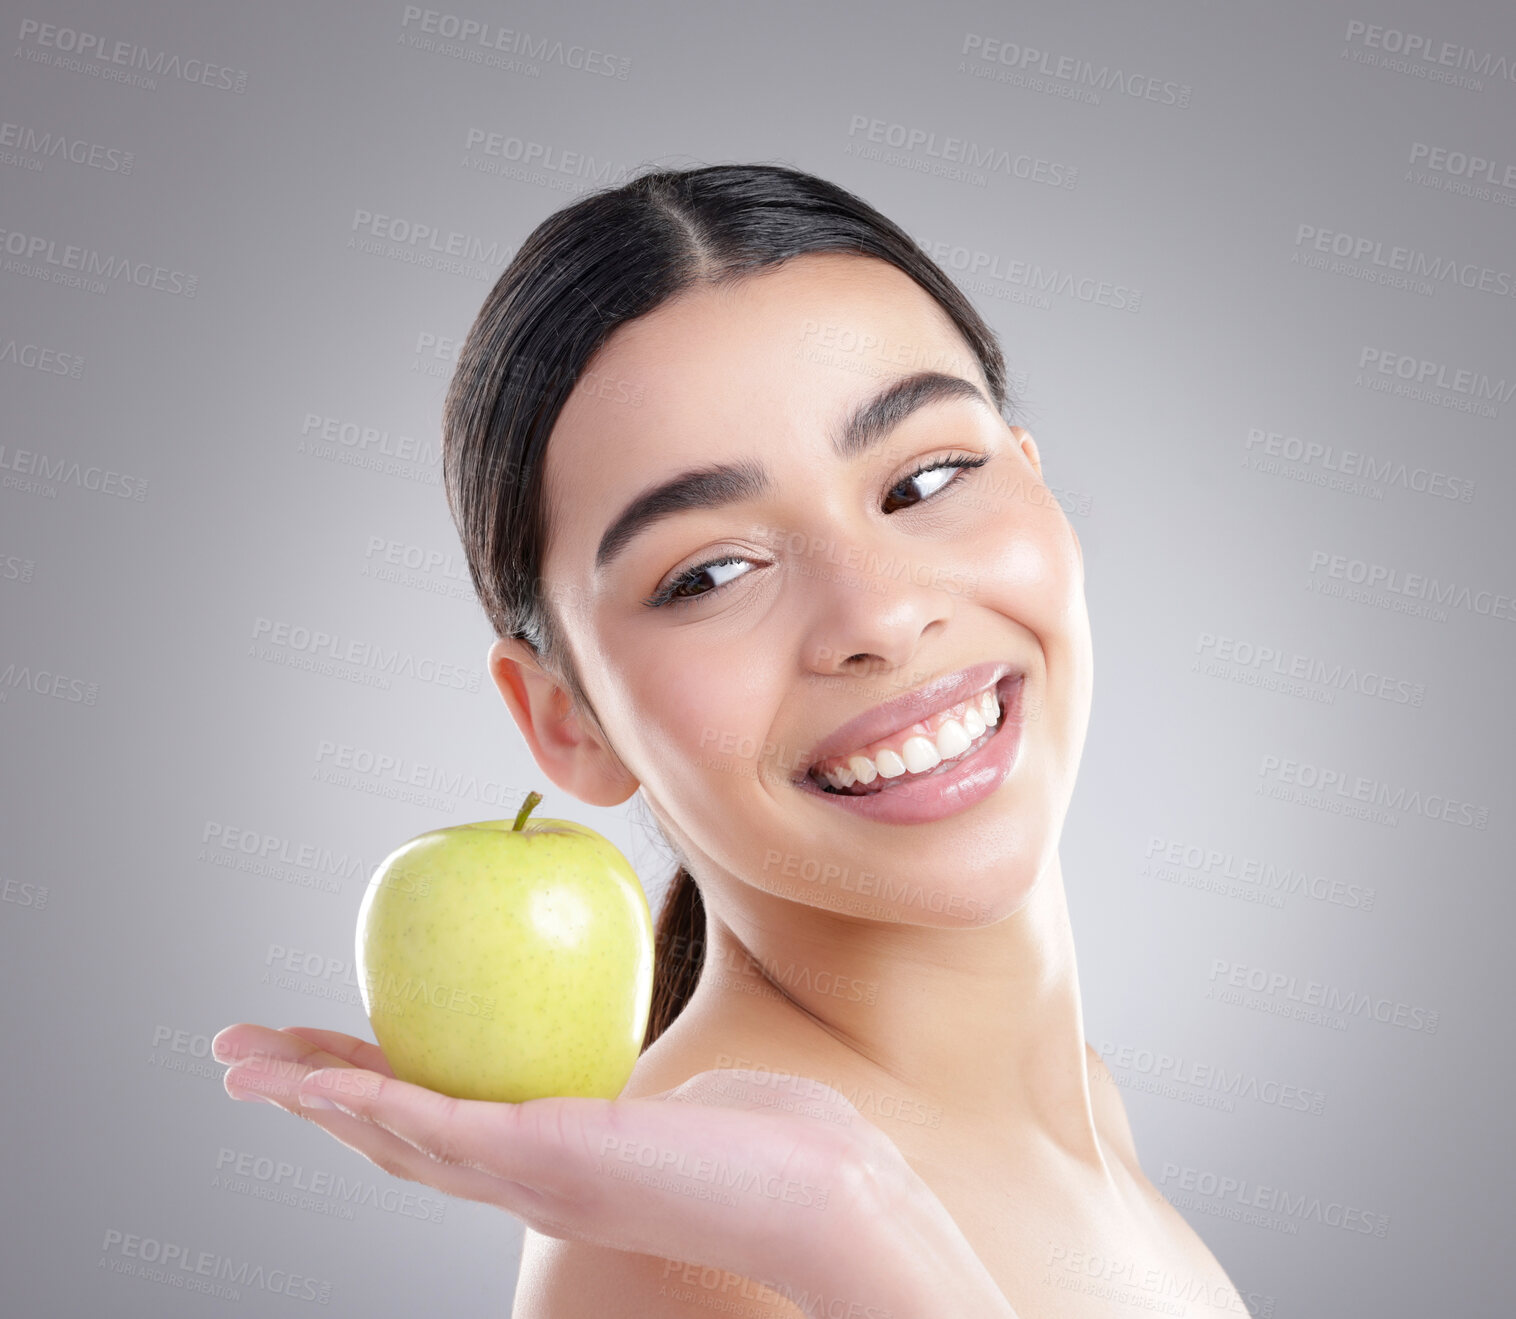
<point>1253,273</point>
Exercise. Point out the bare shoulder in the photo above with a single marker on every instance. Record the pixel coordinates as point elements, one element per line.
<point>1110,1109</point>
<point>575,1280</point>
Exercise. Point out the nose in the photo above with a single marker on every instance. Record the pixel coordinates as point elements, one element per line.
<point>872,611</point>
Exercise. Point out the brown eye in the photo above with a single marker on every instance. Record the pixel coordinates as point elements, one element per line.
<point>679,588</point>
<point>919,489</point>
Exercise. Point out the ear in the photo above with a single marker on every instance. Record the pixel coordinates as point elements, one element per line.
<point>564,745</point>
<point>1029,447</point>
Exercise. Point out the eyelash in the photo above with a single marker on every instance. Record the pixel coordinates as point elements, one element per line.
<point>665,596</point>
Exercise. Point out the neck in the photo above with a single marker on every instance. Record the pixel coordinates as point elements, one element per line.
<point>982,1022</point>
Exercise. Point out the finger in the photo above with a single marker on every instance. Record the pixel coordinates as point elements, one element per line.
<point>268,1061</point>
<point>249,1040</point>
<point>334,1103</point>
<point>732,1188</point>
<point>360,1053</point>
<point>433,1124</point>
<point>272,1064</point>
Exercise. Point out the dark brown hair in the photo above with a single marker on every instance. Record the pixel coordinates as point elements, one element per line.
<point>603,260</point>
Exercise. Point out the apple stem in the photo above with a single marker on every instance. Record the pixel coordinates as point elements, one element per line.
<point>532,798</point>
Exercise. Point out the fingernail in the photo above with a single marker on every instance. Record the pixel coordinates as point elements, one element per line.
<point>309,1093</point>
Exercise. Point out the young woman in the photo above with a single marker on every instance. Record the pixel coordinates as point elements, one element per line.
<point>731,461</point>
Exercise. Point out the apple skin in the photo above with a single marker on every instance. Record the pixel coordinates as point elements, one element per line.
<point>506,962</point>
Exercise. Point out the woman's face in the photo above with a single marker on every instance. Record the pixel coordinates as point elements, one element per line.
<point>840,583</point>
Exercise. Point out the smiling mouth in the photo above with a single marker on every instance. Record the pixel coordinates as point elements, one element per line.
<point>931,746</point>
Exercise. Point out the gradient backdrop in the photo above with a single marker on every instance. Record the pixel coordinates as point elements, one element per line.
<point>1253,272</point>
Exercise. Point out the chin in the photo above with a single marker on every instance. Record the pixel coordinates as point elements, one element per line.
<point>986,894</point>
<point>943,891</point>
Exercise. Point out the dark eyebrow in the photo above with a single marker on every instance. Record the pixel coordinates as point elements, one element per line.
<point>871,421</point>
<point>704,487</point>
<point>730,483</point>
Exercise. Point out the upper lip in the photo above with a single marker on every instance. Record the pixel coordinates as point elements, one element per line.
<point>903,711</point>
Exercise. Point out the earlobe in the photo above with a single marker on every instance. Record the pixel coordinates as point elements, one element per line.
<point>565,748</point>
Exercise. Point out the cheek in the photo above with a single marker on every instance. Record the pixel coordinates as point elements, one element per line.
<point>1032,574</point>
<point>699,723</point>
<point>1033,577</point>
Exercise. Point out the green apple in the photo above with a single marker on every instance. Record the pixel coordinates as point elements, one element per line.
<point>508,960</point>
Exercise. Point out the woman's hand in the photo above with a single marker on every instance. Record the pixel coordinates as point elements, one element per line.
<point>773,1177</point>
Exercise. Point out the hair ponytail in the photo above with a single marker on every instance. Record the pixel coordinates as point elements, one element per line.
<point>678,953</point>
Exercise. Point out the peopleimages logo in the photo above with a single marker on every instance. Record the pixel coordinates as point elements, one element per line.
<point>388,774</point>
<point>952,157</point>
<point>47,145</point>
<point>369,439</point>
<point>419,243</point>
<point>1310,669</point>
<point>1357,466</point>
<point>1429,52</point>
<point>177,1265</point>
<point>318,650</point>
<point>1330,998</point>
<point>49,361</point>
<point>13,568</point>
<point>1439,384</point>
<point>88,52</point>
<point>1067,76</point>
<point>478,42</point>
<point>220,837</point>
<point>1327,783</point>
<point>1394,584</point>
<point>1031,275</point>
<point>263,1177</point>
<point>1248,1202</point>
<point>1464,165</point>
<point>1160,1066</point>
<point>435,571</point>
<point>46,682</point>
<point>1267,876</point>
<point>43,258</point>
<point>511,156</point>
<point>1363,251</point>
<point>51,471</point>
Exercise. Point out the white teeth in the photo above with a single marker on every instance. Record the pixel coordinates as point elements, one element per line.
<point>889,765</point>
<point>952,738</point>
<point>920,754</point>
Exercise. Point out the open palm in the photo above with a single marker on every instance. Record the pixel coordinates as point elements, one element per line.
<point>774,1177</point>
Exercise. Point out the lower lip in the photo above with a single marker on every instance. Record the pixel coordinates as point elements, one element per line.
<point>965,783</point>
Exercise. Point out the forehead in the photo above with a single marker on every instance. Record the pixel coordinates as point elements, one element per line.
<point>755,368</point>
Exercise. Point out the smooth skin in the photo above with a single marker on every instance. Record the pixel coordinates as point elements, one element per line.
<point>960,1038</point>
<point>636,1175</point>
